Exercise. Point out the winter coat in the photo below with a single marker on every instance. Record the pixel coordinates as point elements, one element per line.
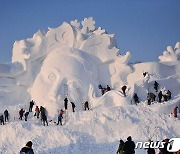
<point>175,111</point>
<point>43,116</point>
<point>121,149</point>
<point>26,150</point>
<point>129,147</point>
<point>21,112</point>
<point>31,103</point>
<point>151,151</point>
<point>6,113</point>
<point>73,105</point>
<point>37,109</point>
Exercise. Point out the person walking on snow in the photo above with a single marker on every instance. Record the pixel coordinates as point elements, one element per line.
<point>73,106</point>
<point>37,111</point>
<point>6,115</point>
<point>175,112</point>
<point>21,112</point>
<point>2,120</point>
<point>31,105</point>
<point>60,117</point>
<point>27,149</point>
<point>26,115</point>
<point>65,103</point>
<point>121,148</point>
<point>124,90</point>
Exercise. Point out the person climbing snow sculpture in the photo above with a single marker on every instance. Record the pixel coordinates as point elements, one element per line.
<point>31,104</point>
<point>156,85</point>
<point>136,98</point>
<point>66,103</point>
<point>73,106</point>
<point>124,90</point>
<point>21,113</point>
<point>168,95</point>
<point>103,90</point>
<point>26,115</point>
<point>108,88</point>
<point>160,97</point>
<point>86,105</point>
<point>175,112</point>
<point>60,117</point>
<point>37,111</point>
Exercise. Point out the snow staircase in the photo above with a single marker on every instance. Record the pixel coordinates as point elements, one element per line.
<point>66,95</point>
<point>80,97</point>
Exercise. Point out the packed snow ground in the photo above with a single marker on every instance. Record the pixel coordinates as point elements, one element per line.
<point>94,131</point>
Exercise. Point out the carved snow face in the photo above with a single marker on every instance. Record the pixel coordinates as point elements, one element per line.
<point>62,74</point>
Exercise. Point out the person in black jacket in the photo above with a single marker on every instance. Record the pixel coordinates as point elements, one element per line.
<point>21,113</point>
<point>44,118</point>
<point>150,150</point>
<point>6,115</point>
<point>129,146</point>
<point>65,103</point>
<point>27,149</point>
<point>31,105</point>
<point>2,120</point>
<point>73,106</point>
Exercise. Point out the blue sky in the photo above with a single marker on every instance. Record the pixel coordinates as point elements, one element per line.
<point>143,27</point>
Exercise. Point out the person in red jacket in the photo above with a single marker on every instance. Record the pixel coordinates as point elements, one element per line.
<point>175,112</point>
<point>103,90</point>
<point>37,111</point>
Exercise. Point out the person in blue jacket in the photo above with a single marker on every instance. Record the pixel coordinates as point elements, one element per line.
<point>27,149</point>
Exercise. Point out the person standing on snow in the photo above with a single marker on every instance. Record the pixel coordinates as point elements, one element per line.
<point>60,117</point>
<point>31,105</point>
<point>160,96</point>
<point>44,118</point>
<point>124,90</point>
<point>37,111</point>
<point>6,115</point>
<point>121,148</point>
<point>21,113</point>
<point>66,103</point>
<point>73,106</point>
<point>27,149</point>
<point>26,115</point>
<point>129,146</point>
<point>2,120</point>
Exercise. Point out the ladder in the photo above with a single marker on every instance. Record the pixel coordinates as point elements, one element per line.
<point>80,97</point>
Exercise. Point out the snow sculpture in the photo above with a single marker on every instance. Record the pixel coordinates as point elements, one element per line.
<point>171,55</point>
<point>70,55</point>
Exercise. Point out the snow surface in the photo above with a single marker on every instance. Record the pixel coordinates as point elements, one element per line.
<point>71,61</point>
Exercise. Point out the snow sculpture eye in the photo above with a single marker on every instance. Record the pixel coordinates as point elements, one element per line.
<point>51,77</point>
